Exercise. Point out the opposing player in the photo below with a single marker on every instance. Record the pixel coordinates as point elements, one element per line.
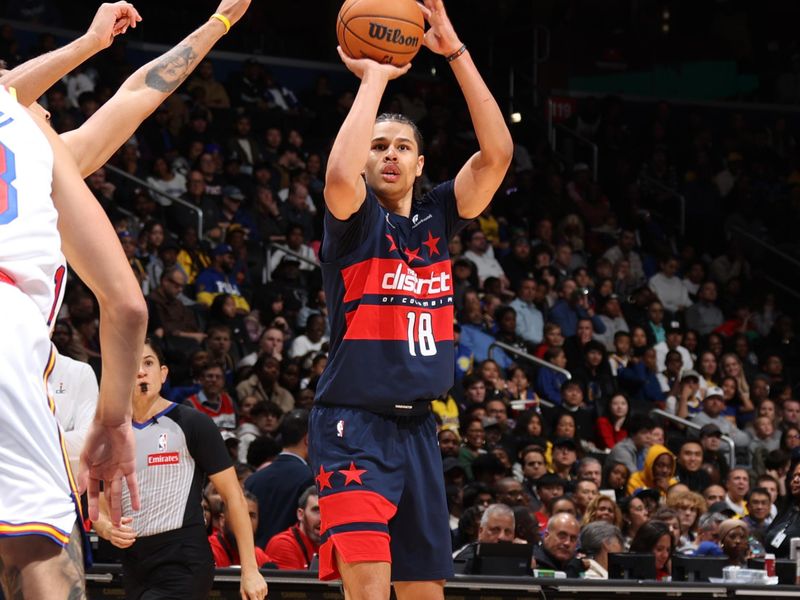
<point>46,209</point>
<point>94,142</point>
<point>387,274</point>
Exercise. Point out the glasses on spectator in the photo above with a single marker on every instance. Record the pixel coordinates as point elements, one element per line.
<point>793,436</point>
<point>179,284</point>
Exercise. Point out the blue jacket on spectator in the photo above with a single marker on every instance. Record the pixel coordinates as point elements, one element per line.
<point>548,384</point>
<point>566,317</point>
<point>641,384</point>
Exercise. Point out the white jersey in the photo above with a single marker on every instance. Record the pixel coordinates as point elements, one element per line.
<point>30,245</point>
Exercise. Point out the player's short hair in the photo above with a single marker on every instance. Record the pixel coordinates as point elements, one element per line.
<point>400,118</point>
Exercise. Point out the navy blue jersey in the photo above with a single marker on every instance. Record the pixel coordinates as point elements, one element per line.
<point>389,290</point>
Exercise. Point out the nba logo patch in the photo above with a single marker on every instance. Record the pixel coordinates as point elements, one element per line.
<point>340,428</point>
<point>162,442</point>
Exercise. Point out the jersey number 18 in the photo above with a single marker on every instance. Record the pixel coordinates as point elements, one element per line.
<point>423,328</point>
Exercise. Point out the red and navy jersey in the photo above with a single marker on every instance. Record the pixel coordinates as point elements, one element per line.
<point>389,289</point>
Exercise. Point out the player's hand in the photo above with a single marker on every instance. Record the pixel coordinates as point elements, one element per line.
<point>122,535</point>
<point>253,586</point>
<point>233,9</point>
<point>109,456</point>
<point>112,20</point>
<point>361,66</point>
<point>440,38</point>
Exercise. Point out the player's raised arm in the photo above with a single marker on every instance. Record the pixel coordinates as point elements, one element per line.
<point>93,250</point>
<point>344,186</point>
<point>34,77</point>
<point>480,177</point>
<point>94,142</point>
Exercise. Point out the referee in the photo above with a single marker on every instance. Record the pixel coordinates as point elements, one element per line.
<point>166,553</point>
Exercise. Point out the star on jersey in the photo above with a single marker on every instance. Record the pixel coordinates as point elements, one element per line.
<point>393,247</point>
<point>432,243</point>
<point>412,255</point>
<point>324,478</point>
<point>353,475</point>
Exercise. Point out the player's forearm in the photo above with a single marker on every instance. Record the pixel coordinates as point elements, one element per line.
<point>115,122</point>
<point>351,149</point>
<point>494,139</point>
<point>34,77</point>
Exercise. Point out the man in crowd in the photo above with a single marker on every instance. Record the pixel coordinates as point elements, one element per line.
<point>295,547</point>
<point>559,545</point>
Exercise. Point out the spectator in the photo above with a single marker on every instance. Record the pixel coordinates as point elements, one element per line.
<point>614,322</point>
<point>733,538</point>
<point>312,341</point>
<point>603,508</point>
<point>689,506</point>
<point>585,492</point>
<point>295,547</point>
<point>216,279</point>
<point>480,252</point>
<point>759,508</point>
<point>296,243</point>
<point>295,211</point>
<point>673,336</point>
<point>263,420</point>
<point>669,288</point>
<point>548,487</point>
<point>280,485</point>
<point>658,472</point>
<point>690,466</point>
<point>530,323</point>
<point>573,306</point>
<point>634,514</point>
<point>704,315</point>
<point>565,454</point>
<point>549,381</point>
<point>496,525</point>
<point>611,427</point>
<point>213,91</point>
<point>212,400</point>
<point>631,451</point>
<point>713,406</point>
<point>624,250</point>
<point>737,486</point>
<point>654,538</point>
<point>591,469</point>
<point>559,544</point>
<point>263,384</point>
<point>223,543</point>
<point>598,539</point>
<point>171,319</point>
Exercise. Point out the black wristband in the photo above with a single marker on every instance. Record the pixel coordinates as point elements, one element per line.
<point>457,53</point>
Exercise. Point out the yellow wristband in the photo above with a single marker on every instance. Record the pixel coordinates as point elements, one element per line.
<point>222,19</point>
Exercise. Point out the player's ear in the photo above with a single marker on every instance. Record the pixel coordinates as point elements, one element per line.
<point>420,164</point>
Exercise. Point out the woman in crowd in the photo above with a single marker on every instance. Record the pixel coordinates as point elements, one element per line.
<point>634,515</point>
<point>689,506</point>
<point>610,428</point>
<point>603,508</point>
<point>654,538</point>
<point>474,437</point>
<point>733,538</point>
<point>615,477</point>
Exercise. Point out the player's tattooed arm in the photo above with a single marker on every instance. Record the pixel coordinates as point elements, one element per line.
<point>172,69</point>
<point>94,142</point>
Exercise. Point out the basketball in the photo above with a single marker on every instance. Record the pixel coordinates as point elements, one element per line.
<point>388,32</point>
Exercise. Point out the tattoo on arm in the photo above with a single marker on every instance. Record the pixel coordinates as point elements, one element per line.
<point>172,68</point>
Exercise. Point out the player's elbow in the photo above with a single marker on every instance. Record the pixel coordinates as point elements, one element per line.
<point>130,312</point>
<point>503,153</point>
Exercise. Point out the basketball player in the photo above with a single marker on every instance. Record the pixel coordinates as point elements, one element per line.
<point>94,142</point>
<point>46,209</point>
<point>387,274</point>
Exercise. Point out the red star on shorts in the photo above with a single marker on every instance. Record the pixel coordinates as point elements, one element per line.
<point>393,246</point>
<point>324,478</point>
<point>353,475</point>
<point>412,255</point>
<point>432,243</point>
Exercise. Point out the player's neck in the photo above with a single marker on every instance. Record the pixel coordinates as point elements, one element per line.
<point>401,207</point>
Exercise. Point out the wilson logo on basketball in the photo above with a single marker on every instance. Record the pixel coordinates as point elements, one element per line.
<point>394,36</point>
<point>165,458</point>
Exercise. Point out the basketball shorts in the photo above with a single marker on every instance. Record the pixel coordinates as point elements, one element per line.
<point>37,494</point>
<point>381,492</point>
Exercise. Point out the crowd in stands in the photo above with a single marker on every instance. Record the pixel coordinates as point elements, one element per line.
<point>624,314</point>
